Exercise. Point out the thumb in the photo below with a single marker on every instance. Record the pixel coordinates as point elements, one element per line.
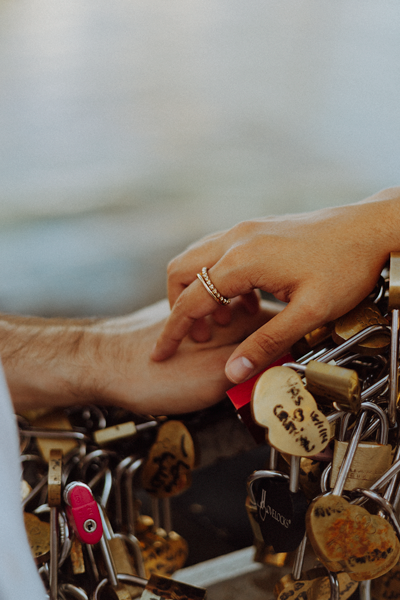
<point>272,340</point>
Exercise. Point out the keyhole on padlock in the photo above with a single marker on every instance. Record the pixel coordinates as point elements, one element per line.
<point>90,525</point>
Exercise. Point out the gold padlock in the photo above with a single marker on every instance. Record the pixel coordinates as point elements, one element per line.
<point>102,437</point>
<point>38,533</point>
<point>330,383</point>
<point>54,420</point>
<point>371,459</point>
<point>163,588</point>
<point>362,316</point>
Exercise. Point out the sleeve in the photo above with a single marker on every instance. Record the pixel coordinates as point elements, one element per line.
<point>18,575</point>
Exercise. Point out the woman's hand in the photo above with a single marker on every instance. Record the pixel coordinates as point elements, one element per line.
<point>321,263</point>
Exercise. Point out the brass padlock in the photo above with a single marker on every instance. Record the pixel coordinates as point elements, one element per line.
<point>371,459</point>
<point>330,383</point>
<point>168,467</point>
<point>362,316</point>
<point>163,588</point>
<point>108,435</point>
<point>38,533</point>
<point>55,420</point>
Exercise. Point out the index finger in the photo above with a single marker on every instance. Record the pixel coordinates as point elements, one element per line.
<point>186,310</point>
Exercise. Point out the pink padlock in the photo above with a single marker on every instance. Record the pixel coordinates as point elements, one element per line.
<point>83,513</point>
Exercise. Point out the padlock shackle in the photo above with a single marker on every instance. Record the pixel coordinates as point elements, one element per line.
<point>393,366</point>
<point>385,506</point>
<point>349,455</point>
<point>73,591</point>
<point>352,341</point>
<point>384,423</point>
<point>119,472</point>
<point>261,475</point>
<point>299,559</point>
<point>129,475</point>
<point>334,583</point>
<point>354,441</point>
<point>121,577</point>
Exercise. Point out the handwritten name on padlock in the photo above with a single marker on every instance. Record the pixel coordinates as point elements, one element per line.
<point>281,404</point>
<point>348,538</point>
<point>167,470</point>
<point>313,585</point>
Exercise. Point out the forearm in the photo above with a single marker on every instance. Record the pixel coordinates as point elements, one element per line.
<point>46,361</point>
<point>382,219</point>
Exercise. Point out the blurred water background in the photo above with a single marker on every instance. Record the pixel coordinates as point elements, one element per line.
<point>129,129</point>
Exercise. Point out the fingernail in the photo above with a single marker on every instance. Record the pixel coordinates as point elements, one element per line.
<point>154,354</point>
<point>239,369</point>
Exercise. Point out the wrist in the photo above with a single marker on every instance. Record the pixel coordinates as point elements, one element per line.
<point>44,360</point>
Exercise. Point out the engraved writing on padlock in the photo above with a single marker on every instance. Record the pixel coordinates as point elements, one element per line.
<point>281,507</point>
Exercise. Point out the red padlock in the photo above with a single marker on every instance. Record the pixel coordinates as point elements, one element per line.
<point>240,396</point>
<point>83,513</point>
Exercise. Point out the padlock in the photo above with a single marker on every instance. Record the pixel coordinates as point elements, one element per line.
<point>56,420</point>
<point>313,584</point>
<point>359,318</point>
<point>77,558</point>
<point>240,396</point>
<point>115,433</point>
<point>371,459</point>
<point>54,485</point>
<point>387,509</point>
<point>394,307</point>
<point>38,533</point>
<point>331,385</point>
<point>348,538</point>
<point>163,588</point>
<point>168,466</point>
<point>121,431</point>
<point>116,558</point>
<point>281,507</point>
<point>317,336</point>
<point>339,352</point>
<point>175,548</point>
<point>68,591</point>
<point>264,553</point>
<point>387,587</point>
<point>83,513</point>
<point>282,405</point>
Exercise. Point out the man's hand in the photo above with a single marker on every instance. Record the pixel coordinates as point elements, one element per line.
<point>56,362</point>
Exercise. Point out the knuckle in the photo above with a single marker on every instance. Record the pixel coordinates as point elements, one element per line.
<point>315,312</point>
<point>267,343</point>
<point>244,228</point>
<point>172,267</point>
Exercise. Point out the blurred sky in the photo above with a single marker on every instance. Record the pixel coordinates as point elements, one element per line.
<point>130,128</point>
